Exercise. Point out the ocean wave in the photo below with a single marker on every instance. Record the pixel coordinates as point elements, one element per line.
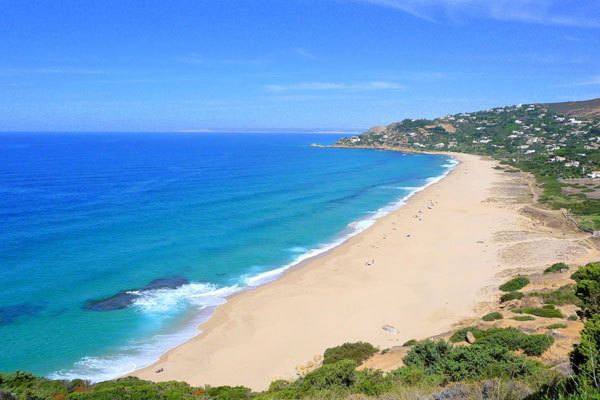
<point>201,295</point>
<point>139,354</point>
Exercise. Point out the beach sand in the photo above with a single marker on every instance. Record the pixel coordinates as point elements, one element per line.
<point>467,234</point>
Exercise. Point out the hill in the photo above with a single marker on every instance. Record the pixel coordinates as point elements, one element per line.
<point>579,109</point>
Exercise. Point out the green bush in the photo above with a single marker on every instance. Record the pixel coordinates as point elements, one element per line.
<point>428,355</point>
<point>415,375</point>
<point>229,392</point>
<point>515,284</point>
<point>540,312</point>
<point>492,316</point>
<point>371,382</point>
<point>341,373</point>
<point>556,268</point>
<point>461,334</point>
<point>488,357</point>
<point>410,342</point>
<point>278,385</point>
<point>511,296</point>
<point>563,295</point>
<point>573,317</point>
<point>587,289</point>
<point>513,339</point>
<point>584,357</point>
<point>556,326</point>
<point>358,352</point>
<point>536,345</point>
<point>523,318</point>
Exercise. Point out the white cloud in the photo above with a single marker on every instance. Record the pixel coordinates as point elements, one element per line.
<point>321,86</point>
<point>581,13</point>
<point>593,81</point>
<point>302,52</point>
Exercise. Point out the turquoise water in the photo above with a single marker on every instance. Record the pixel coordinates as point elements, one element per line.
<point>85,216</point>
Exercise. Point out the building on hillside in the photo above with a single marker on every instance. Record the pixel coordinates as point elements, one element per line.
<point>556,159</point>
<point>594,174</point>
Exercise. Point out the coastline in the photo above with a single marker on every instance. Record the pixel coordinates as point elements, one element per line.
<point>261,334</point>
<point>130,360</point>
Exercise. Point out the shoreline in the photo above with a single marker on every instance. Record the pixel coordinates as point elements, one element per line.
<point>268,277</point>
<point>262,325</point>
<point>191,328</point>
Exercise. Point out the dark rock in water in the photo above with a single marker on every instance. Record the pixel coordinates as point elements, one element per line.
<point>119,301</point>
<point>125,298</point>
<point>165,283</point>
<point>9,313</point>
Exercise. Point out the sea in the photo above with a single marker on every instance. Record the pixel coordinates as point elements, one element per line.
<point>115,246</point>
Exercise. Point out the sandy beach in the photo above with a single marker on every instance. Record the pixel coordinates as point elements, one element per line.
<point>435,262</point>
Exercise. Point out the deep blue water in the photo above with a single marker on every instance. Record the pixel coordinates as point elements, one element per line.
<point>84,216</point>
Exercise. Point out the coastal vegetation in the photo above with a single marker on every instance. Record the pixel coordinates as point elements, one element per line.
<point>540,312</point>
<point>357,352</point>
<point>511,296</point>
<point>523,318</point>
<point>492,316</point>
<point>556,267</point>
<point>561,296</point>
<point>515,284</point>
<point>497,364</point>
<point>556,326</point>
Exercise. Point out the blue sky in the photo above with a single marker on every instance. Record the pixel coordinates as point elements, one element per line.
<point>285,64</point>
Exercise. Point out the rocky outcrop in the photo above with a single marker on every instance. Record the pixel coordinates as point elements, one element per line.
<point>125,298</point>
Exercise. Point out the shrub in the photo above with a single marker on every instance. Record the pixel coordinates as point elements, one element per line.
<point>492,316</point>
<point>371,382</point>
<point>556,326</point>
<point>410,342</point>
<point>428,355</point>
<point>461,334</point>
<point>573,317</point>
<point>563,295</point>
<point>584,356</point>
<point>536,345</point>
<point>513,339</point>
<point>523,318</point>
<point>229,392</point>
<point>341,373</point>
<point>557,267</point>
<point>511,296</point>
<point>414,375</point>
<point>587,289</point>
<point>278,385</point>
<point>515,284</point>
<point>486,358</point>
<point>540,312</point>
<point>358,352</point>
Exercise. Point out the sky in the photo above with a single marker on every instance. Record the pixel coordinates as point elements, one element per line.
<point>304,65</point>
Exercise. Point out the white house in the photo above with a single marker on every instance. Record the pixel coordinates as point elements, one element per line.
<point>594,175</point>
